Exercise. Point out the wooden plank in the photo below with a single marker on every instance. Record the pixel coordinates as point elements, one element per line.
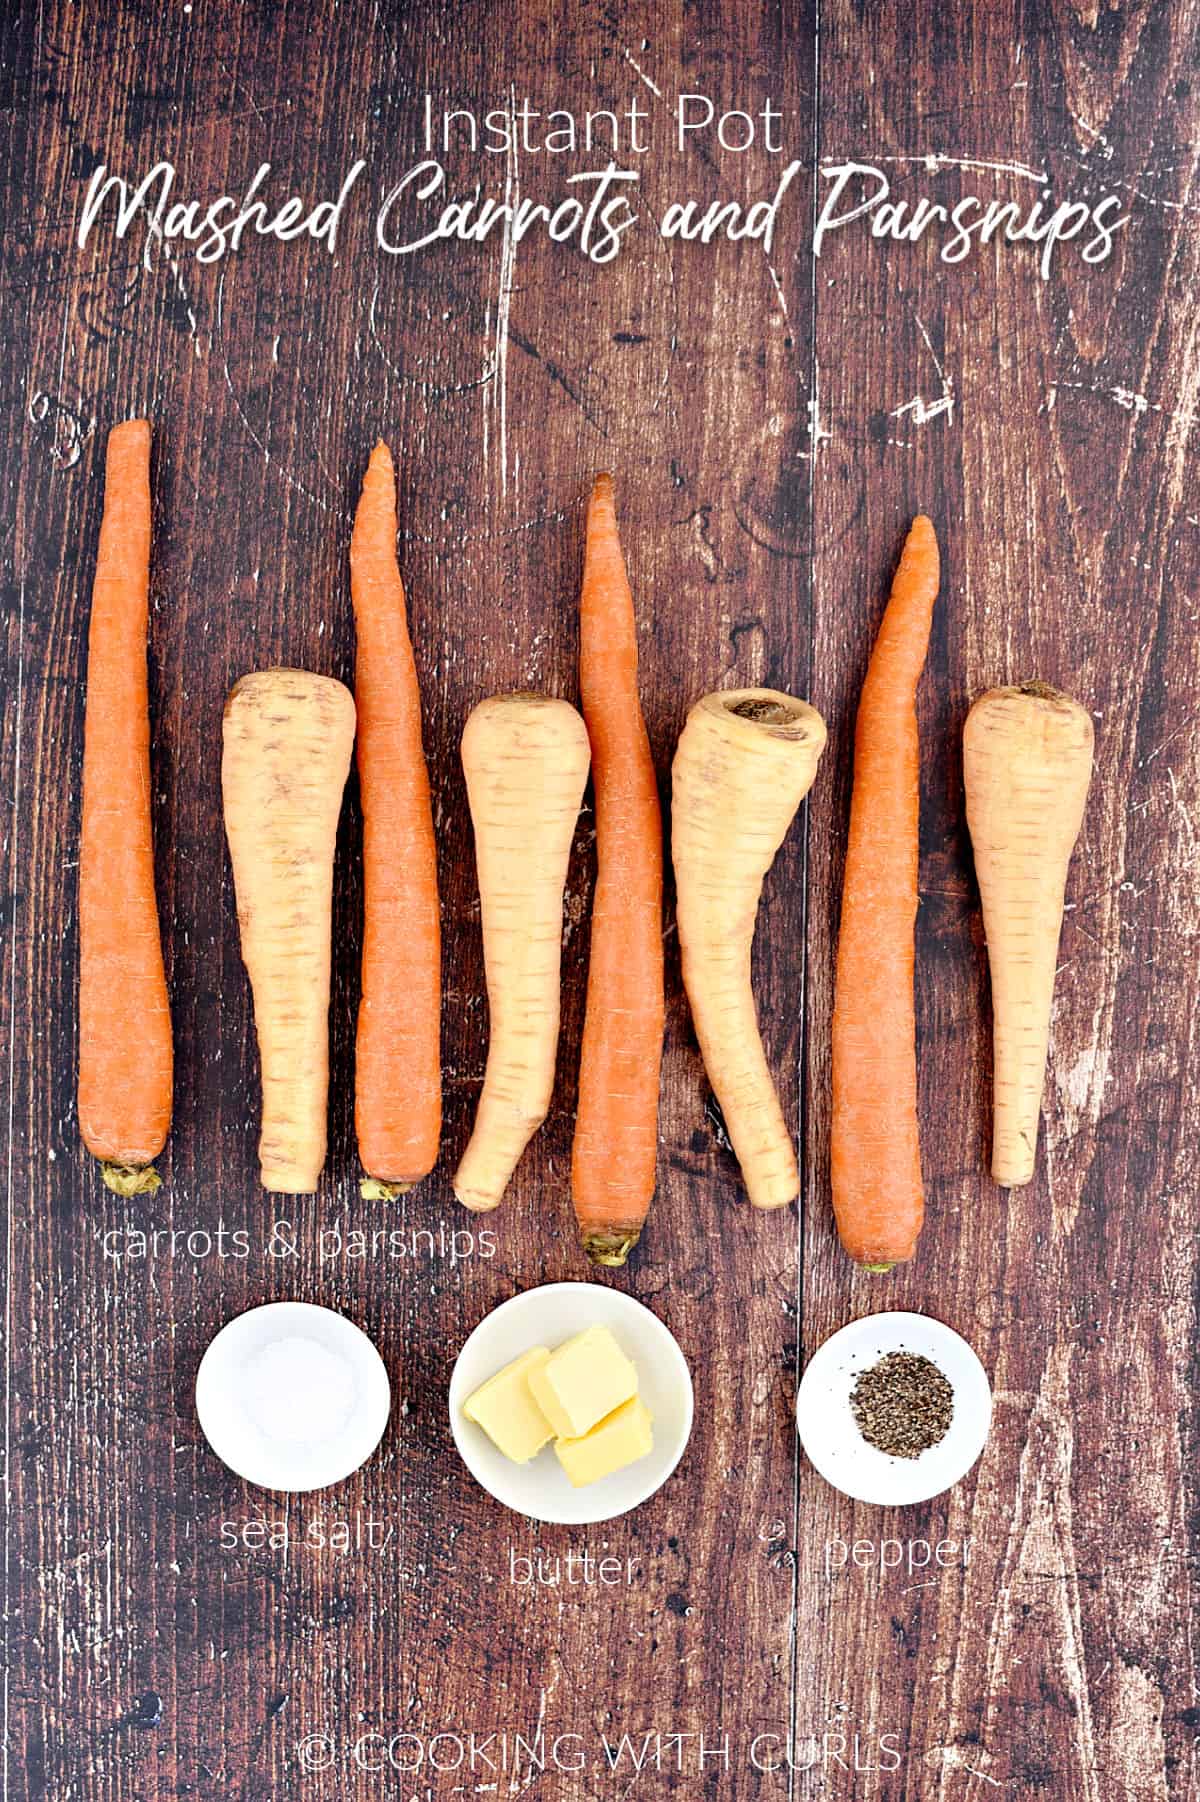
<point>150,1660</point>
<point>1060,1661</point>
<point>759,416</point>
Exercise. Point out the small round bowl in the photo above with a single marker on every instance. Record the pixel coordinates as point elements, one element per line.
<point>829,1432</point>
<point>235,1416</point>
<point>547,1316</point>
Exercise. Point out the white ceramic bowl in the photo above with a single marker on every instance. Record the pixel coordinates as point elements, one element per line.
<point>831,1437</point>
<point>547,1316</point>
<point>268,1444</point>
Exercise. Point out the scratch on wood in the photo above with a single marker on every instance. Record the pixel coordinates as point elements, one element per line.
<point>934,161</point>
<point>640,72</point>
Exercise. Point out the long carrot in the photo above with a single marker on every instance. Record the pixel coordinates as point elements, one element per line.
<point>526,763</point>
<point>875,1150</point>
<point>125,1054</point>
<point>745,761</point>
<point>616,1130</point>
<point>1027,761</point>
<point>288,737</point>
<point>398,1070</point>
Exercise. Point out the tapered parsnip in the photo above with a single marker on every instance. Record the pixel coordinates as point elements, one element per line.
<point>526,762</point>
<point>1027,758</point>
<point>288,740</point>
<point>745,761</point>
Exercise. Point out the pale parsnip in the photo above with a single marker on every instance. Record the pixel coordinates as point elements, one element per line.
<point>288,738</point>
<point>745,761</point>
<point>1027,760</point>
<point>526,761</point>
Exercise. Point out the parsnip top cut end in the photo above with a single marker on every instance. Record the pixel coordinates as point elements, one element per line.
<point>768,711</point>
<point>290,688</point>
<point>1044,719</point>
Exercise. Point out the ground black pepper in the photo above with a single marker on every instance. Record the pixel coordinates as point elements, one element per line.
<point>902,1405</point>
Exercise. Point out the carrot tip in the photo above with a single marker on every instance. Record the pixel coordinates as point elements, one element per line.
<point>610,1249</point>
<point>372,1188</point>
<point>130,1179</point>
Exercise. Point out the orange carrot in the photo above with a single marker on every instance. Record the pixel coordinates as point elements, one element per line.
<point>398,1076</point>
<point>125,1055</point>
<point>616,1132</point>
<point>876,1154</point>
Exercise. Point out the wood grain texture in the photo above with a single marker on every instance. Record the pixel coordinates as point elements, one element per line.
<point>766,469</point>
<point>1062,1661</point>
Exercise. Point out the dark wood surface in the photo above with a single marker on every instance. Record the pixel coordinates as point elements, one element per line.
<point>768,457</point>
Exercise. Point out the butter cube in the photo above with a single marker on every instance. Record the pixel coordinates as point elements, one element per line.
<point>507,1412</point>
<point>584,1380</point>
<point>622,1439</point>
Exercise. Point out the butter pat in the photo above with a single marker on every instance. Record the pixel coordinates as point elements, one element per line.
<point>622,1439</point>
<point>507,1412</point>
<point>582,1381</point>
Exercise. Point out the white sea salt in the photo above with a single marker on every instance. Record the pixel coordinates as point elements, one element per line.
<point>298,1392</point>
